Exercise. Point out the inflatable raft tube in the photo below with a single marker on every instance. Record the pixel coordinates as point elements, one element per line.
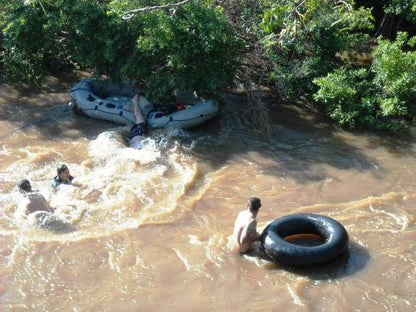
<point>106,101</point>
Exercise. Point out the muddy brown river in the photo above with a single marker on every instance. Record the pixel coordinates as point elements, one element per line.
<point>150,229</point>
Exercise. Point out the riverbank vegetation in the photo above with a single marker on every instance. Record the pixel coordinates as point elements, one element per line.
<point>354,61</point>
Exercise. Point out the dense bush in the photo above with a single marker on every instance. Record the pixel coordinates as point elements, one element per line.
<point>306,37</point>
<point>28,48</point>
<point>305,48</point>
<point>315,45</point>
<point>378,97</point>
<point>395,75</point>
<point>346,95</point>
<point>192,47</point>
<point>402,8</point>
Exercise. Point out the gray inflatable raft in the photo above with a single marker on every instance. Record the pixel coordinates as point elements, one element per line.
<point>88,98</point>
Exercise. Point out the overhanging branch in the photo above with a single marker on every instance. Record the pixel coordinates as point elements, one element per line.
<point>129,14</point>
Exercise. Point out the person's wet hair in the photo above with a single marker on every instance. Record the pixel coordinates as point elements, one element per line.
<point>254,203</point>
<point>61,169</point>
<point>24,185</point>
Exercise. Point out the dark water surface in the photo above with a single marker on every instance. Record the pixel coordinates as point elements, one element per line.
<point>150,230</point>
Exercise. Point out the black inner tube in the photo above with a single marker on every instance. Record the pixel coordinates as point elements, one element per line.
<point>277,240</point>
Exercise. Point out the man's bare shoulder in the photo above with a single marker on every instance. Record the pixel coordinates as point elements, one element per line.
<point>245,214</point>
<point>252,225</point>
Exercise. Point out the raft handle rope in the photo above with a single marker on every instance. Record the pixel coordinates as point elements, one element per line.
<point>96,108</point>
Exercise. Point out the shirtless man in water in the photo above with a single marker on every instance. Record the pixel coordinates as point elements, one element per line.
<point>33,200</point>
<point>245,232</point>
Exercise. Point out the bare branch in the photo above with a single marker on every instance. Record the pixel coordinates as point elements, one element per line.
<point>347,5</point>
<point>129,14</point>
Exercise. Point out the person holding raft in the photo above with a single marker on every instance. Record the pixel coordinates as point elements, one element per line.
<point>245,232</point>
<point>139,131</point>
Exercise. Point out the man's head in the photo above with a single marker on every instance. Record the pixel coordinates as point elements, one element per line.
<point>63,172</point>
<point>61,169</point>
<point>24,186</point>
<point>254,204</point>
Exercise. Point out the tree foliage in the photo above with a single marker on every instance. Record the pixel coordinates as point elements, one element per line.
<point>307,48</point>
<point>191,47</point>
<point>405,8</point>
<point>306,37</point>
<point>377,97</point>
<point>316,44</point>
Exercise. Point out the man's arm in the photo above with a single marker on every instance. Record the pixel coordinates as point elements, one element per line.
<point>249,233</point>
<point>23,207</point>
<point>255,236</point>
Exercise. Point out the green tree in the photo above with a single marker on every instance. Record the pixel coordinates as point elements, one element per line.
<point>395,75</point>
<point>30,45</point>
<point>190,47</point>
<point>306,38</point>
<point>392,16</point>
<point>379,97</point>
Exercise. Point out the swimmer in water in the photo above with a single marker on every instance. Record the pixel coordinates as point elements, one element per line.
<point>139,131</point>
<point>37,210</point>
<point>245,232</point>
<point>63,176</point>
<point>33,200</point>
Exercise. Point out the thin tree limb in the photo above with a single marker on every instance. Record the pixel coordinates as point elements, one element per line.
<point>129,14</point>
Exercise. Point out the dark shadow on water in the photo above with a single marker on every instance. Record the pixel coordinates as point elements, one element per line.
<point>47,110</point>
<point>291,152</point>
<point>297,146</point>
<point>398,144</point>
<point>66,229</point>
<point>259,252</point>
<point>350,263</point>
<point>49,221</point>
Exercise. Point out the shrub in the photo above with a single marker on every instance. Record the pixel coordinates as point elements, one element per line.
<point>305,38</point>
<point>379,97</point>
<point>395,75</point>
<point>191,47</point>
<point>347,96</point>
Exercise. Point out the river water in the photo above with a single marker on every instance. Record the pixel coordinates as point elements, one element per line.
<point>150,230</point>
